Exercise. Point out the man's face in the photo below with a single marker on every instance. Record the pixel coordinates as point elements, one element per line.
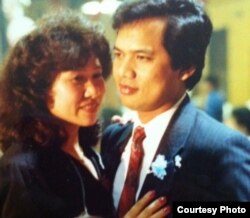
<point>142,69</point>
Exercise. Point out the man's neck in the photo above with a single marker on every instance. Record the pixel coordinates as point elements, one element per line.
<point>147,116</point>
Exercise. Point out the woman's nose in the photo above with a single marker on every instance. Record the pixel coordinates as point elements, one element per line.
<point>91,90</point>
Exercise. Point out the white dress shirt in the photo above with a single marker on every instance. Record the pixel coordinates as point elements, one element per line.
<point>154,131</point>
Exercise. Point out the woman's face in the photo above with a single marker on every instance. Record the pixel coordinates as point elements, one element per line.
<point>76,95</point>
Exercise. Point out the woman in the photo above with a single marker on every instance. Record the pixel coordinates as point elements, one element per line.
<point>51,91</point>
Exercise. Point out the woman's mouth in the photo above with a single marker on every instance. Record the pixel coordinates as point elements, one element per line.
<point>90,107</point>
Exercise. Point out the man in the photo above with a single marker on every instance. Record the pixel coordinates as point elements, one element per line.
<point>239,119</point>
<point>214,99</point>
<point>188,156</point>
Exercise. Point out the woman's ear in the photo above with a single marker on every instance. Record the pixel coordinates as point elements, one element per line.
<point>50,100</point>
<point>185,74</point>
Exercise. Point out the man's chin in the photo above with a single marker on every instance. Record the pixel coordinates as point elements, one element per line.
<point>130,105</point>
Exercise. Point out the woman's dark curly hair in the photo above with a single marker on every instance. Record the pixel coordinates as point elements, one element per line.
<point>60,42</point>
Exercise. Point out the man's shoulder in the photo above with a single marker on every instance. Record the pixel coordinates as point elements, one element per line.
<point>115,136</point>
<point>209,129</point>
<point>117,129</point>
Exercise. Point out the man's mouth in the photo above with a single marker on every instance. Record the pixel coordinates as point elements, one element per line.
<point>127,90</point>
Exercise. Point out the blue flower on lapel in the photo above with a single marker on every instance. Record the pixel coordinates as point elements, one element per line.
<point>159,166</point>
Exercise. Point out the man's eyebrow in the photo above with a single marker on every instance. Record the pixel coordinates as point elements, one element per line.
<point>115,48</point>
<point>147,51</point>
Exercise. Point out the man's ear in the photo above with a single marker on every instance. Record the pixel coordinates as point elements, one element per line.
<point>185,74</point>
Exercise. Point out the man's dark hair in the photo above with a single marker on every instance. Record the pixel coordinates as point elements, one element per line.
<point>187,33</point>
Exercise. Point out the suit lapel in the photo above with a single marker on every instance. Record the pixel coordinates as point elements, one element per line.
<point>171,147</point>
<point>123,140</point>
<point>112,154</point>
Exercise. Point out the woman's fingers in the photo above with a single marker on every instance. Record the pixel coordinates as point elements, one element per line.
<point>162,212</point>
<point>155,209</point>
<point>146,207</point>
<point>140,205</point>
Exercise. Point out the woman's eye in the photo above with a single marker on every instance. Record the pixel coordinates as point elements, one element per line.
<point>98,75</point>
<point>78,78</point>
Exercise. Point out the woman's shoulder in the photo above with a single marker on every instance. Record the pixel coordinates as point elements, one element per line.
<point>18,157</point>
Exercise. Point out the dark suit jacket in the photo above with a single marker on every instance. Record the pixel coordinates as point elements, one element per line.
<point>215,160</point>
<point>46,183</point>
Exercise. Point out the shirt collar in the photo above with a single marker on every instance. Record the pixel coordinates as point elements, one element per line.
<point>161,119</point>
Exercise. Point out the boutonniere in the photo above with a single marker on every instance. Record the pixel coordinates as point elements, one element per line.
<point>159,166</point>
<point>177,161</point>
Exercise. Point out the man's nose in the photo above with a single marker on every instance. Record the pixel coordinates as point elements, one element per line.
<point>126,68</point>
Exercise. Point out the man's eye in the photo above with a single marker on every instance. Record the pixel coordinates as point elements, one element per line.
<point>143,58</point>
<point>117,54</point>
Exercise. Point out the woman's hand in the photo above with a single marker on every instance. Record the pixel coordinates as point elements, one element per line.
<point>147,208</point>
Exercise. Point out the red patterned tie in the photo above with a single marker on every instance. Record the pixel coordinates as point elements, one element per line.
<point>127,199</point>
